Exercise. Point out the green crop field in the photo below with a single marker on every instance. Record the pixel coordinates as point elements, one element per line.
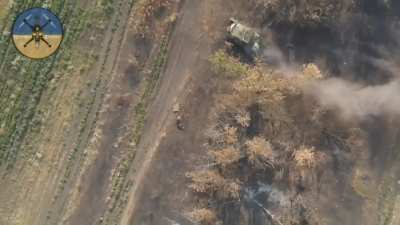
<point>50,109</point>
<point>23,81</point>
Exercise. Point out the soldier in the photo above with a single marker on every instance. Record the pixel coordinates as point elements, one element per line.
<point>179,120</point>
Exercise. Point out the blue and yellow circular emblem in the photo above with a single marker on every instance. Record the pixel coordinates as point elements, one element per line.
<point>37,33</point>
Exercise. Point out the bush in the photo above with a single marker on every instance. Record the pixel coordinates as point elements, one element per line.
<point>205,181</point>
<point>259,153</point>
<point>212,183</point>
<point>305,157</point>
<point>231,190</point>
<point>242,117</point>
<point>225,157</point>
<point>230,135</point>
<point>226,65</point>
<point>307,161</point>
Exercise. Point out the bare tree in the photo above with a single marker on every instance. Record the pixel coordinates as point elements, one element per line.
<point>207,181</point>
<point>230,190</point>
<point>230,134</point>
<point>203,216</point>
<point>305,157</point>
<point>242,117</point>
<point>226,156</point>
<point>307,161</point>
<point>259,153</point>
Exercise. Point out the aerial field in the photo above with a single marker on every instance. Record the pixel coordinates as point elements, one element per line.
<point>50,109</point>
<point>148,115</point>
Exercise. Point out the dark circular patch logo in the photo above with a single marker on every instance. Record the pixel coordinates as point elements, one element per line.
<point>37,33</point>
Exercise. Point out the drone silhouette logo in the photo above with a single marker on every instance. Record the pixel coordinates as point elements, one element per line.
<point>37,33</point>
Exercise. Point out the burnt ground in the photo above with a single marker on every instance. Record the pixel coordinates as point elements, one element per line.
<point>164,196</point>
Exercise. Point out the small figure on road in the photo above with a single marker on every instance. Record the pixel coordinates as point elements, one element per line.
<point>179,119</point>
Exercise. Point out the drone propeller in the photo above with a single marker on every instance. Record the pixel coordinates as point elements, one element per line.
<point>28,42</point>
<point>45,25</point>
<point>27,23</point>
<point>45,41</point>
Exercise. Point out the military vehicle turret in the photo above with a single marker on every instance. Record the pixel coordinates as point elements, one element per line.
<point>245,38</point>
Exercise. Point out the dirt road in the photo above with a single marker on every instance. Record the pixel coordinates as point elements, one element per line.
<point>183,57</point>
<point>198,32</point>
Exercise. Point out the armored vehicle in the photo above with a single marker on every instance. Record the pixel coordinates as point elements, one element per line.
<point>245,38</point>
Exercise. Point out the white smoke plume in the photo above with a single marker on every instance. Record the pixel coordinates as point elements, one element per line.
<point>273,55</point>
<point>351,100</point>
<point>354,101</point>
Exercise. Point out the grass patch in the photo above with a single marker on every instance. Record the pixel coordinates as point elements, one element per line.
<point>226,65</point>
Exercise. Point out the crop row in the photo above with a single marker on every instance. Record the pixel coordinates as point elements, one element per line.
<point>120,186</point>
<point>23,81</point>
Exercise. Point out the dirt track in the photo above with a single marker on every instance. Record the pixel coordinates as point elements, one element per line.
<point>188,48</point>
<point>163,149</point>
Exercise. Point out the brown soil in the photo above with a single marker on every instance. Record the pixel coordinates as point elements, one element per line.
<point>159,194</point>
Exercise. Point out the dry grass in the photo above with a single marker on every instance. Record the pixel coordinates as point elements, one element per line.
<point>361,184</point>
<point>4,7</point>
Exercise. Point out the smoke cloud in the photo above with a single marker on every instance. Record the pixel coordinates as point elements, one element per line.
<point>354,101</point>
<point>351,100</point>
<point>273,55</point>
